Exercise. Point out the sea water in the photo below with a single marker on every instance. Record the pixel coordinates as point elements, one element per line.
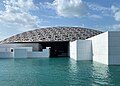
<point>57,72</point>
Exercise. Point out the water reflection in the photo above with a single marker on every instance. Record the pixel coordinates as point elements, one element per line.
<point>93,73</point>
<point>100,74</point>
<point>114,75</point>
<point>105,75</point>
<point>72,67</point>
<point>80,72</point>
<point>57,72</point>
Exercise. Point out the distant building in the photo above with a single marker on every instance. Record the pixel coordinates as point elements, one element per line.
<point>74,42</point>
<point>57,38</point>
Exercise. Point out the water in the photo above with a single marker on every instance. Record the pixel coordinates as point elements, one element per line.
<point>57,72</point>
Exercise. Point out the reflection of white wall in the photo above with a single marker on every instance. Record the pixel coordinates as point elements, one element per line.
<point>80,50</point>
<point>100,48</point>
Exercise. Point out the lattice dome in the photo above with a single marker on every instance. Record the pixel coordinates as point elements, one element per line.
<point>53,34</point>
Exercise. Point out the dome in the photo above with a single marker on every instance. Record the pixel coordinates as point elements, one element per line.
<point>53,34</point>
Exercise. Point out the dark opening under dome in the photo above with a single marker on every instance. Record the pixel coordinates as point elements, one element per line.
<point>53,34</point>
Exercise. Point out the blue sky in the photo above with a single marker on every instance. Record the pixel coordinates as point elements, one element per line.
<point>18,16</point>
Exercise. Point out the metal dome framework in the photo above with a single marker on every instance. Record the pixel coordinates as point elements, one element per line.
<point>53,34</point>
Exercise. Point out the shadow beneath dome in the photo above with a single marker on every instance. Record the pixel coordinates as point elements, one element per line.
<point>57,49</point>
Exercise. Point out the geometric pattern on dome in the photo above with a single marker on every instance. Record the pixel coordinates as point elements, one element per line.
<point>53,34</point>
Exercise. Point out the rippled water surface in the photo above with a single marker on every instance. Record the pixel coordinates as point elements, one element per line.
<point>57,72</point>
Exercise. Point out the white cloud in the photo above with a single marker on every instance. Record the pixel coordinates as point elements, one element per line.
<point>70,8</point>
<point>114,9</point>
<point>104,11</point>
<point>19,5</point>
<point>76,8</point>
<point>112,27</point>
<point>46,5</point>
<point>17,15</point>
<point>116,26</point>
<point>116,12</point>
<point>95,16</point>
<point>97,7</point>
<point>117,16</point>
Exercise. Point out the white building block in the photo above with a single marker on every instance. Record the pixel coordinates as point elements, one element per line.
<point>20,53</point>
<point>100,48</point>
<point>6,55</point>
<point>73,50</point>
<point>2,49</point>
<point>43,54</point>
<point>80,50</point>
<point>29,49</point>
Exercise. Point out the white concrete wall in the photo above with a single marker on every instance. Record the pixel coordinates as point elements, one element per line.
<point>2,49</point>
<point>73,50</point>
<point>29,49</point>
<point>23,52</point>
<point>100,48</point>
<point>43,54</point>
<point>80,50</point>
<point>8,49</point>
<point>6,55</point>
<point>114,47</point>
<point>6,52</point>
<point>5,49</point>
<point>106,48</point>
<point>35,46</point>
<point>20,53</point>
<point>84,50</point>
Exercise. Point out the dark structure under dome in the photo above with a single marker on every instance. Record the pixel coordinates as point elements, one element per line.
<point>57,38</point>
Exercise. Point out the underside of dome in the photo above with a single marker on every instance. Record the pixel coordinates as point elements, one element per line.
<point>53,34</point>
